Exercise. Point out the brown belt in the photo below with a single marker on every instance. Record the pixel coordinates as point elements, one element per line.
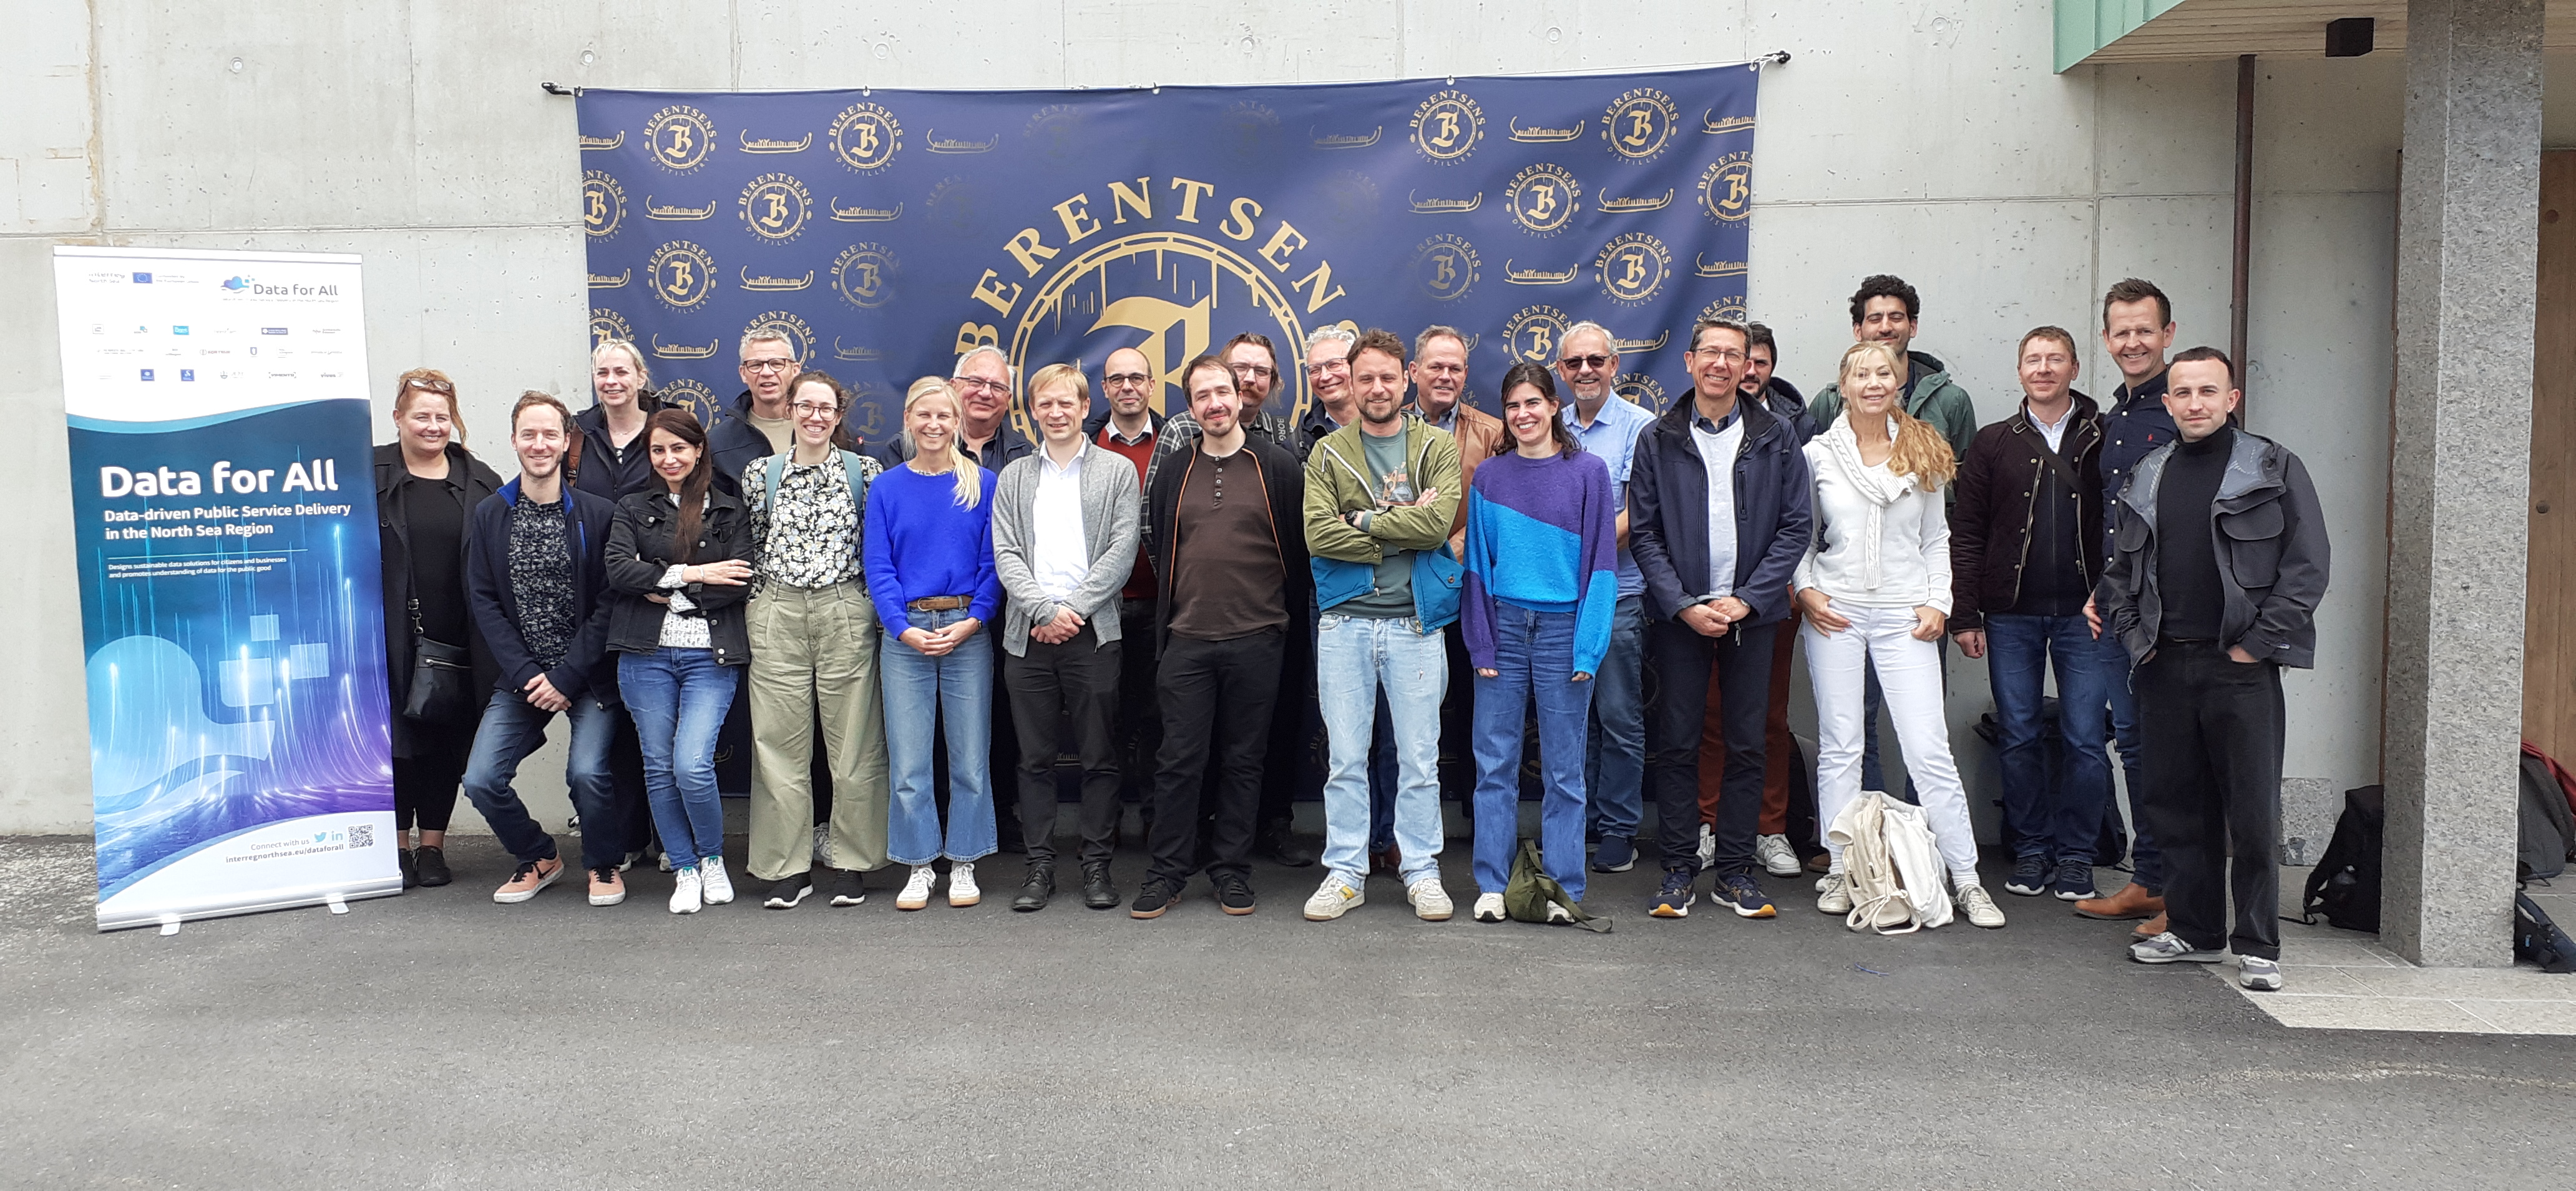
<point>941,604</point>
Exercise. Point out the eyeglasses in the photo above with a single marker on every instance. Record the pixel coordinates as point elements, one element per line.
<point>1580,363</point>
<point>996,388</point>
<point>1125,380</point>
<point>1253,372</point>
<point>808,409</point>
<point>767,365</point>
<point>1327,367</point>
<point>434,386</point>
<point>1723,355</point>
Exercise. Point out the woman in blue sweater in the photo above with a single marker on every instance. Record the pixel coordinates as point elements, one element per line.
<point>930,573</point>
<point>1536,628</point>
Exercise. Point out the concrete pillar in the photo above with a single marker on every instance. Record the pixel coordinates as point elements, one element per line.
<point>2468,217</point>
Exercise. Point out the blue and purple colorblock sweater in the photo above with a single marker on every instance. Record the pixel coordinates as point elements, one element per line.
<point>1542,534</point>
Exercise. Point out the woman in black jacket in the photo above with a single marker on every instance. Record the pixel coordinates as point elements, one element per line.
<point>427,485</point>
<point>677,561</point>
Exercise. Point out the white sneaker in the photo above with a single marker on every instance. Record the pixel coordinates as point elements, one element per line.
<point>962,891</point>
<point>712,879</point>
<point>1777,857</point>
<point>1556,912</point>
<point>1834,894</point>
<point>1333,898</point>
<point>688,896</point>
<point>1430,901</point>
<point>1707,847</point>
<point>916,891</point>
<point>1489,907</point>
<point>1978,906</point>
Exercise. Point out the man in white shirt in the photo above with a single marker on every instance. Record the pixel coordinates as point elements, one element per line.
<point>1614,768</point>
<point>1064,541</point>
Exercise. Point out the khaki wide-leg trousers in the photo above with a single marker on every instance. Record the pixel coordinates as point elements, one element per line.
<point>815,646</point>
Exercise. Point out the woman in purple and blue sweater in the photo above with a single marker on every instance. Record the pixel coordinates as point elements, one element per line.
<point>1535,628</point>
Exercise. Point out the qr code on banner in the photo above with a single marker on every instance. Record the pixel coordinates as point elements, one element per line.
<point>362,837</point>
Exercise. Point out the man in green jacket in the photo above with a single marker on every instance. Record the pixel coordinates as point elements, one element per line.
<point>1887,310</point>
<point>1381,495</point>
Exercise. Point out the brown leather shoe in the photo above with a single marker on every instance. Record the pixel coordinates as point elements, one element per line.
<point>2150,928</point>
<point>2132,901</point>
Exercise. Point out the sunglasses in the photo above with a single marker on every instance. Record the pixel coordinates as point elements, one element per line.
<point>434,386</point>
<point>1574,363</point>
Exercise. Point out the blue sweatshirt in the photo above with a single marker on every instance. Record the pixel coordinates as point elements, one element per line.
<point>920,545</point>
<point>1553,519</point>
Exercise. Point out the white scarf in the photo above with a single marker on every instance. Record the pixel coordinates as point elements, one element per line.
<point>1881,486</point>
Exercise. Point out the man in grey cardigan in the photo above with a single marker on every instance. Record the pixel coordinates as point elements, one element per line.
<point>1064,540</point>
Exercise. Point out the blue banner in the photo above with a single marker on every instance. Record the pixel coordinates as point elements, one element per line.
<point>889,231</point>
<point>223,511</point>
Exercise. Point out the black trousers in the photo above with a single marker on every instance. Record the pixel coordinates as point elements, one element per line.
<point>1140,720</point>
<point>1295,720</point>
<point>426,782</point>
<point>1049,687</point>
<point>2212,730</point>
<point>1682,660</point>
<point>1217,701</point>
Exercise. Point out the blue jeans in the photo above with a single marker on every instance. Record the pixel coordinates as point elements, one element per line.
<point>511,729</point>
<point>1533,657</point>
<point>2146,862</point>
<point>1614,754</point>
<point>1354,656</point>
<point>923,696</point>
<point>679,698</point>
<point>2058,814</point>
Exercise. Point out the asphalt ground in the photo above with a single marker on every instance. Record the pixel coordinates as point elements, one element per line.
<point>440,1040</point>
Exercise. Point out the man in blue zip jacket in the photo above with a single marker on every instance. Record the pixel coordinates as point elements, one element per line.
<point>1719,510</point>
<point>535,576</point>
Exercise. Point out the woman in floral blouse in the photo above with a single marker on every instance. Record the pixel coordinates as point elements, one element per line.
<point>813,645</point>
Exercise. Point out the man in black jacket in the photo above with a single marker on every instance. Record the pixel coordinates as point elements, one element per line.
<point>756,424</point>
<point>1230,561</point>
<point>536,577</point>
<point>2025,548</point>
<point>1718,514</point>
<point>2219,561</point>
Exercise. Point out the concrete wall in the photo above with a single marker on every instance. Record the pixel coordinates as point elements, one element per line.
<point>1927,138</point>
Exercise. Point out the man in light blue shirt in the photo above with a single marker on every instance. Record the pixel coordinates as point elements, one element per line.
<point>1614,764</point>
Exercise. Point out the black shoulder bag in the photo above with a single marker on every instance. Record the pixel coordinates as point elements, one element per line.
<point>442,678</point>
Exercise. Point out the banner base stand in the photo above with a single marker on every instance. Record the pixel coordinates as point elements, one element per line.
<point>338,904</point>
<point>169,925</point>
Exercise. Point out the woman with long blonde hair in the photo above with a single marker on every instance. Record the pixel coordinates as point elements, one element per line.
<point>929,571</point>
<point>1875,586</point>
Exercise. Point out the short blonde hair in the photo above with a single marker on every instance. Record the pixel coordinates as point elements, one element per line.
<point>1060,374</point>
<point>970,486</point>
<point>434,383</point>
<point>633,357</point>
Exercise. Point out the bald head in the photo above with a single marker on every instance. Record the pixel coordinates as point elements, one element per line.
<point>1126,380</point>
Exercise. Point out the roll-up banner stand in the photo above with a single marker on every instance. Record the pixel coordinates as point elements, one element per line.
<point>223,515</point>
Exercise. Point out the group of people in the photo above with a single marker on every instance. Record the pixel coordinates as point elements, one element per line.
<point>1397,568</point>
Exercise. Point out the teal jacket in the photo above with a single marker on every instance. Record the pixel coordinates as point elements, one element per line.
<point>1344,558</point>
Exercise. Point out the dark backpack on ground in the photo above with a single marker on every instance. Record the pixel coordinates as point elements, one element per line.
<point>2111,845</point>
<point>2539,940</point>
<point>2345,884</point>
<point>2548,822</point>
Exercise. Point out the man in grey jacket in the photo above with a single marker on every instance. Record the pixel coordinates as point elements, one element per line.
<point>2218,562</point>
<point>1064,540</point>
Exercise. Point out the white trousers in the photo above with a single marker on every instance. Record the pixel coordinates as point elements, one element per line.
<point>1909,672</point>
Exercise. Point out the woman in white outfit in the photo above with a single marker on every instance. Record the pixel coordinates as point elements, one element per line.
<point>1875,586</point>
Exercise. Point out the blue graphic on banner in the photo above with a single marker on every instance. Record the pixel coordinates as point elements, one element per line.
<point>229,577</point>
<point>889,231</point>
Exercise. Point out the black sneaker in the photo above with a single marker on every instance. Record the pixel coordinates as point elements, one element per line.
<point>848,887</point>
<point>1156,897</point>
<point>2074,881</point>
<point>1674,900</point>
<point>787,892</point>
<point>431,863</point>
<point>1233,893</point>
<point>1277,842</point>
<point>410,873</point>
<point>2029,876</point>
